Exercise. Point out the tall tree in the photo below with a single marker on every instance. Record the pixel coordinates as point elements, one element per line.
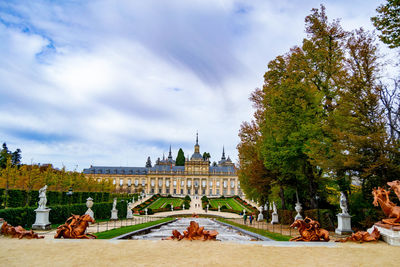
<point>388,22</point>
<point>180,158</point>
<point>206,156</point>
<point>4,155</point>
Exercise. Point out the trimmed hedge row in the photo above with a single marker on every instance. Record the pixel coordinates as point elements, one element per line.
<point>59,213</point>
<point>19,198</point>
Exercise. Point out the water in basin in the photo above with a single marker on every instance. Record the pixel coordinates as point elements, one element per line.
<point>225,233</point>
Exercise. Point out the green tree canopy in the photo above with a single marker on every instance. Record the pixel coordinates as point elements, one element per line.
<point>388,22</point>
<point>180,158</point>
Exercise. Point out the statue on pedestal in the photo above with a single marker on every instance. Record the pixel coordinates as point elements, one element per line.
<point>42,213</point>
<point>114,211</point>
<point>89,205</point>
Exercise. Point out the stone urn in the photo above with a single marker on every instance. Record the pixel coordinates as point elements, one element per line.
<point>89,205</point>
<point>298,210</point>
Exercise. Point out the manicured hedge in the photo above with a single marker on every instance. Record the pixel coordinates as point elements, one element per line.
<point>19,198</point>
<point>59,213</point>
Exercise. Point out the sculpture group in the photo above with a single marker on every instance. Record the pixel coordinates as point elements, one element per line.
<point>381,198</point>
<point>194,232</point>
<point>75,227</point>
<point>309,230</point>
<point>17,232</point>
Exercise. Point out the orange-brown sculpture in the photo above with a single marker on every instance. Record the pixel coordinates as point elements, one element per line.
<point>395,185</point>
<point>381,197</point>
<point>75,227</point>
<point>18,232</point>
<point>194,215</point>
<point>194,232</point>
<point>309,230</point>
<point>362,236</point>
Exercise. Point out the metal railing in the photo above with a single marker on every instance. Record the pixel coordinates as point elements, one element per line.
<point>114,224</point>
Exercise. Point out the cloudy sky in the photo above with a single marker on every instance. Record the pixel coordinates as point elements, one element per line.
<point>111,82</point>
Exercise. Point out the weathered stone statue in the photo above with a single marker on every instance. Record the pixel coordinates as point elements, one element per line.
<point>275,218</point>
<point>309,230</point>
<point>344,218</point>
<point>298,210</point>
<point>75,227</point>
<point>129,214</point>
<point>114,211</point>
<point>42,213</point>
<point>42,198</point>
<point>343,203</point>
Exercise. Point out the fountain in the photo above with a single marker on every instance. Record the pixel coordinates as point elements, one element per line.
<point>225,233</point>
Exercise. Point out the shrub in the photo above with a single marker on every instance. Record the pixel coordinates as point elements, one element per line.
<point>168,206</point>
<point>187,198</point>
<point>223,207</point>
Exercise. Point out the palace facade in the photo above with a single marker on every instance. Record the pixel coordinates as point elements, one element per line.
<point>197,177</point>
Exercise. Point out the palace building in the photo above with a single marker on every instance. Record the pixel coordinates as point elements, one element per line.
<point>197,177</point>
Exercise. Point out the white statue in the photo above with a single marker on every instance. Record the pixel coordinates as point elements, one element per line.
<point>114,207</point>
<point>172,207</point>
<point>42,198</point>
<point>129,214</point>
<point>343,203</point>
<point>274,208</point>
<point>89,205</point>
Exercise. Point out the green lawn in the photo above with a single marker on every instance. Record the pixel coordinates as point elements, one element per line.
<point>126,229</point>
<point>230,203</point>
<point>273,236</point>
<point>164,201</point>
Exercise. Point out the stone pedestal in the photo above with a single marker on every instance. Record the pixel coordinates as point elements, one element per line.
<point>90,213</point>
<point>344,224</point>
<point>274,218</point>
<point>114,215</point>
<point>390,234</point>
<point>42,220</point>
<point>260,217</point>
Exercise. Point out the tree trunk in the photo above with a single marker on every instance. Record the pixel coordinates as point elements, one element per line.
<point>282,196</point>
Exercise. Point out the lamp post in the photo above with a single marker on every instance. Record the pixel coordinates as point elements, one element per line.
<point>316,199</point>
<point>69,194</point>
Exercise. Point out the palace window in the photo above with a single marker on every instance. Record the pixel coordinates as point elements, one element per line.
<point>136,182</point>
<point>211,183</point>
<point>181,191</point>
<point>225,192</point>
<point>167,190</point>
<point>218,183</point>
<point>159,182</point>
<point>175,183</point>
<point>129,182</point>
<point>188,191</point>
<point>159,190</point>
<point>210,192</point>
<point>182,183</point>
<point>232,184</point>
<point>114,181</point>
<point>121,182</point>
<point>167,183</point>
<point>204,192</point>
<point>189,183</point>
<point>144,182</point>
<point>225,184</point>
<point>196,183</point>
<point>204,183</point>
<point>174,191</point>
<point>217,192</point>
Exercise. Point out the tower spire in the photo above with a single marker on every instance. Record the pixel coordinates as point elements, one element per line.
<point>223,153</point>
<point>170,153</point>
<point>197,138</point>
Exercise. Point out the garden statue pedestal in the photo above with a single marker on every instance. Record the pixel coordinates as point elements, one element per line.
<point>129,214</point>
<point>42,219</point>
<point>275,219</point>
<point>260,215</point>
<point>344,224</point>
<point>114,215</point>
<point>390,233</point>
<point>42,213</point>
